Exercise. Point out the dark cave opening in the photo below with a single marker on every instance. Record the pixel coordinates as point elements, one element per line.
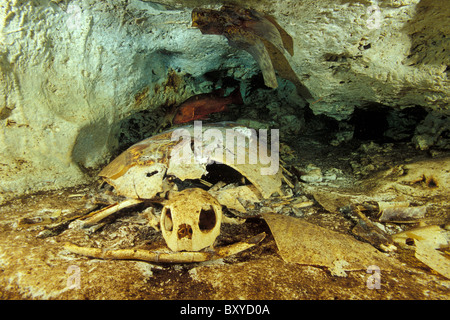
<point>380,123</point>
<point>370,124</point>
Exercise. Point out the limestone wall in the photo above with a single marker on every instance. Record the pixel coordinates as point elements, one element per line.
<point>72,71</point>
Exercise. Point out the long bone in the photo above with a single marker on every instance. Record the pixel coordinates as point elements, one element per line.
<point>167,257</point>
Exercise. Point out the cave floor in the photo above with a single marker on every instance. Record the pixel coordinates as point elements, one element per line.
<point>33,267</point>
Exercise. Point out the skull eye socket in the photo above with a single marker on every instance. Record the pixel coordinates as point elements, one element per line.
<point>207,219</point>
<point>167,221</point>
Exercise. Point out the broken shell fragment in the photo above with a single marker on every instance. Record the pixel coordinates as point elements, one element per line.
<point>237,197</point>
<point>426,241</point>
<point>140,170</point>
<point>301,242</point>
<point>432,258</point>
<point>433,235</point>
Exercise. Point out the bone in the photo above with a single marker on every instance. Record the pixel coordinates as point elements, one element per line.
<point>139,254</point>
<point>166,257</point>
<point>101,214</point>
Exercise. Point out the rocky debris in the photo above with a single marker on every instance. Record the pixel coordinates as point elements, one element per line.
<point>433,131</point>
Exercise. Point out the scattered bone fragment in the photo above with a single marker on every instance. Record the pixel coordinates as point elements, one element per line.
<point>152,218</point>
<point>403,214</point>
<point>373,235</point>
<point>237,197</point>
<point>233,220</point>
<point>370,232</point>
<point>101,214</point>
<point>300,203</point>
<point>385,205</point>
<point>398,212</point>
<point>58,221</point>
<point>312,174</point>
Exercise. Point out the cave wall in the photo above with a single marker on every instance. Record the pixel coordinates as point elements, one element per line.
<point>71,72</point>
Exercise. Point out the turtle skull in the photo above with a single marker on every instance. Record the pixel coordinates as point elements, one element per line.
<point>190,220</point>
